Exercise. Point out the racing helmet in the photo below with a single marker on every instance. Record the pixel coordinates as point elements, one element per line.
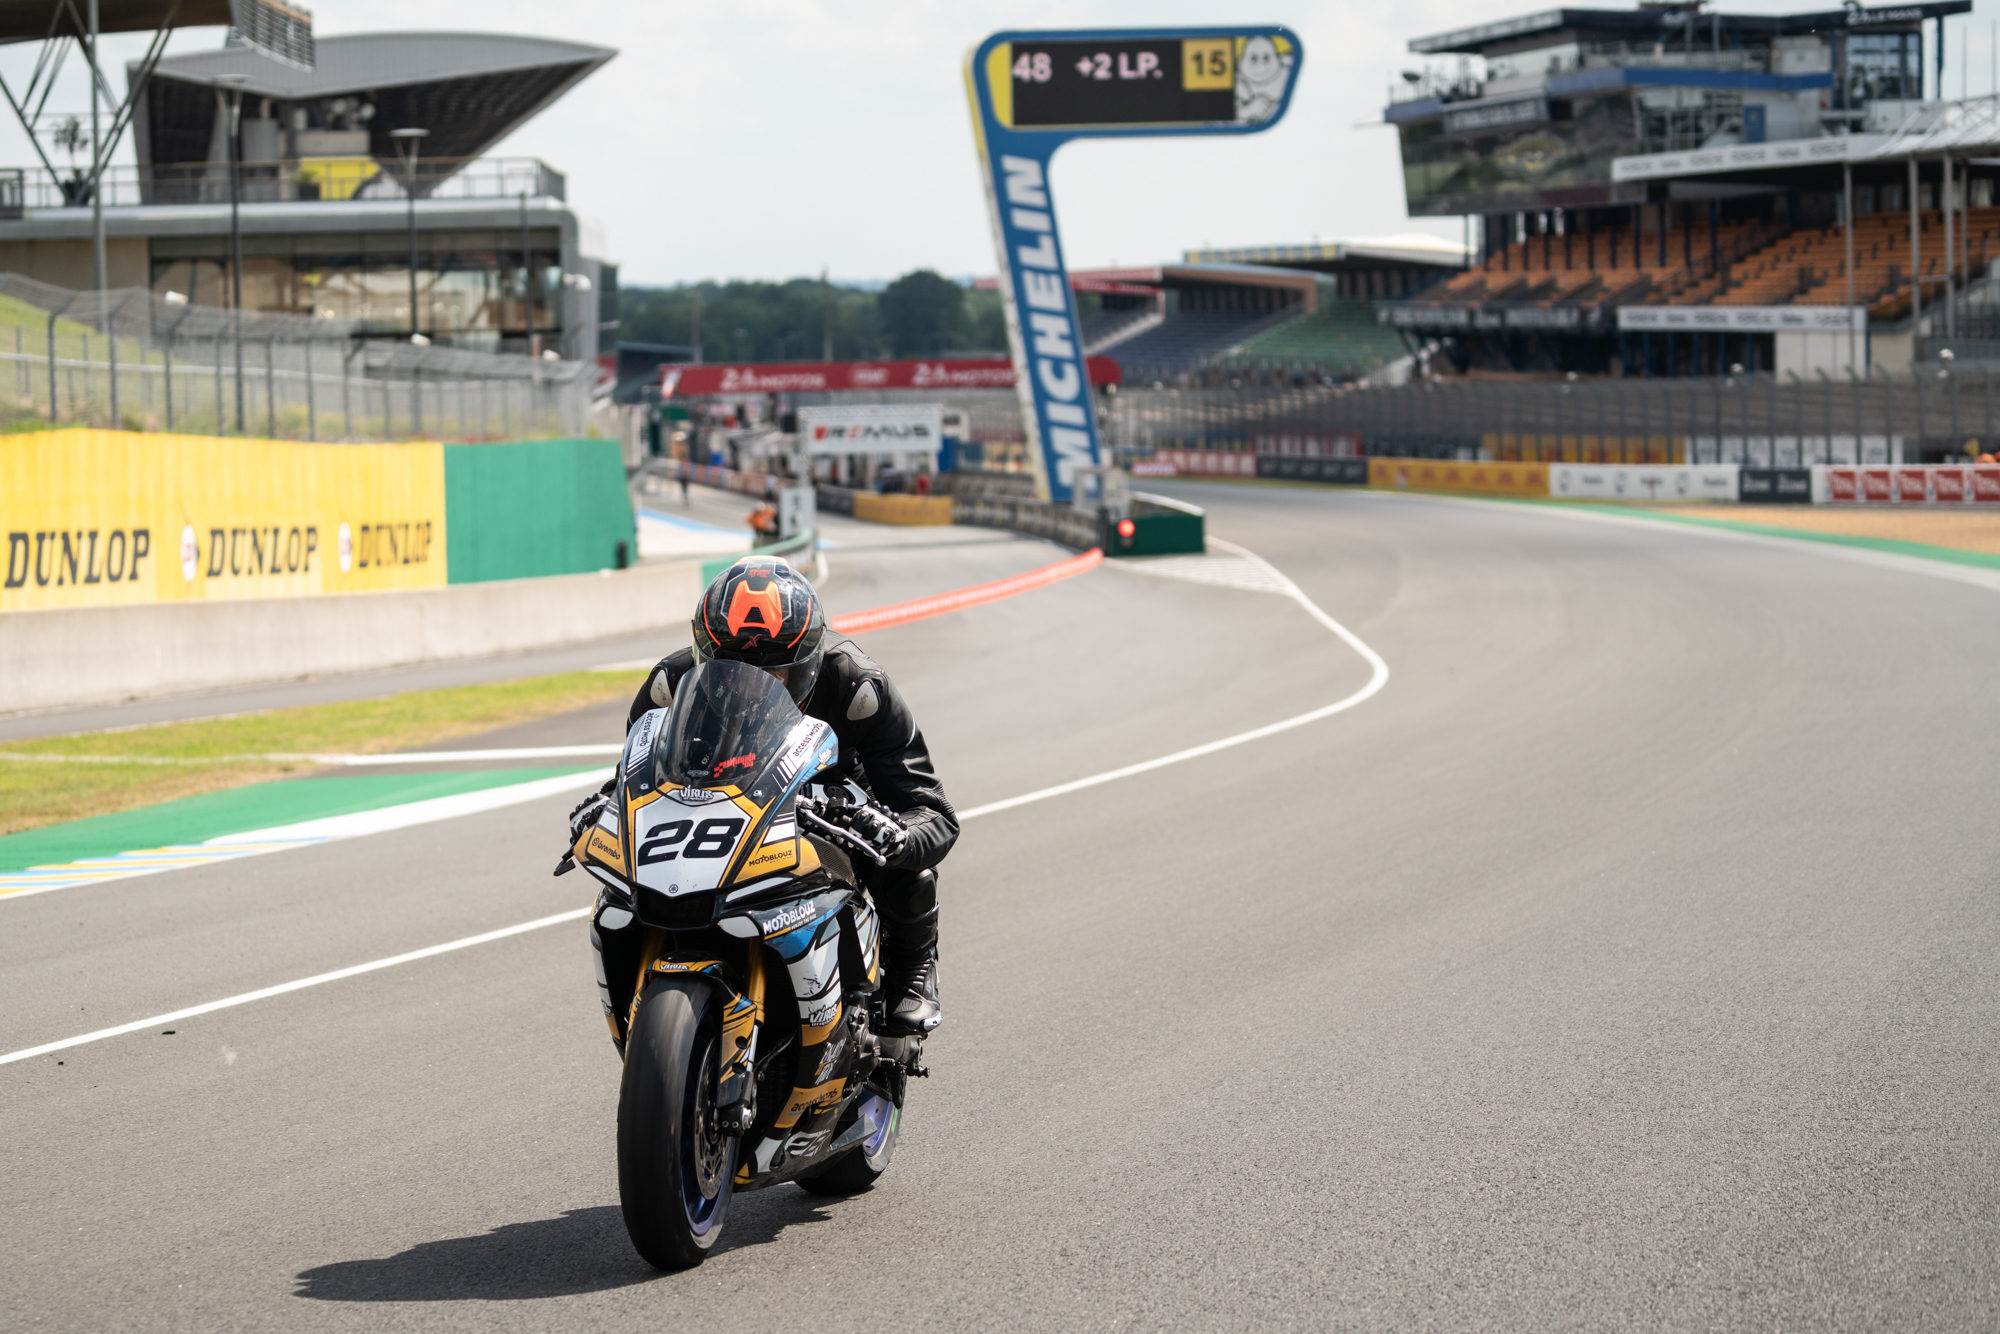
<point>762,611</point>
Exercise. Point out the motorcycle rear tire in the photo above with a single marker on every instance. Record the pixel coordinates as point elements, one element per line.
<point>674,1170</point>
<point>857,1169</point>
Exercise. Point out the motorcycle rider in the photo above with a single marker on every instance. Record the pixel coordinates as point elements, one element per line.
<point>763,612</point>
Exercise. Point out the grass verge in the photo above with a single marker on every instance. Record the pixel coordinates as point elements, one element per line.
<point>144,765</point>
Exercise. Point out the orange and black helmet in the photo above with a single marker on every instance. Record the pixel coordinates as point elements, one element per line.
<point>763,612</point>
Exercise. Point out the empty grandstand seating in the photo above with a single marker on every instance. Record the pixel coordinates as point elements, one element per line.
<point>1761,265</point>
<point>1554,270</point>
<point>1187,338</point>
<point>1340,337</point>
<point>1105,329</point>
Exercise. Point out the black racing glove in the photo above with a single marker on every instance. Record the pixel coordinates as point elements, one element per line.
<point>884,832</point>
<point>585,814</point>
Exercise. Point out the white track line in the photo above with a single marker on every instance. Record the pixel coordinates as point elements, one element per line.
<point>1378,677</point>
<point>429,951</point>
<point>349,826</point>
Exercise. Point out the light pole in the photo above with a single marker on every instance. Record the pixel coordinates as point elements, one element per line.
<point>233,85</point>
<point>408,140</point>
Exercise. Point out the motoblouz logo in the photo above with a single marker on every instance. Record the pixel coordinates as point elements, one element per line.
<point>786,918</point>
<point>76,556</point>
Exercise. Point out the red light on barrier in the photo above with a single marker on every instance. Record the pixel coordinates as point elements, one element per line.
<point>1126,528</point>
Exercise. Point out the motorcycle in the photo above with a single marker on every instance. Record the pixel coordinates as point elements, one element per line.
<point>738,961</point>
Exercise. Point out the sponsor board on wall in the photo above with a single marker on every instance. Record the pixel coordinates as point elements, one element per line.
<point>1202,463</point>
<point>1775,486</point>
<point>1742,319</point>
<point>1927,484</point>
<point>1643,481</point>
<point>96,518</point>
<point>810,377</point>
<point>1340,472</point>
<point>872,428</point>
<point>1465,477</point>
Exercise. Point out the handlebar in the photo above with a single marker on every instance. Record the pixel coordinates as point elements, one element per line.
<point>814,814</point>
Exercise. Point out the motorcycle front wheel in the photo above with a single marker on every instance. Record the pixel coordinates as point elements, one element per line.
<point>674,1166</point>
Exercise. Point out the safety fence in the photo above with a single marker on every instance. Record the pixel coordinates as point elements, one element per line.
<point>133,359</point>
<point>1933,485</point>
<point>1931,413</point>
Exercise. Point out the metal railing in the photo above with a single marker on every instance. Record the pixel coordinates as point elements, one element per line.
<point>1930,413</point>
<point>323,180</point>
<point>136,360</point>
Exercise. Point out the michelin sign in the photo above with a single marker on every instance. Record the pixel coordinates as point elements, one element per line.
<point>1031,93</point>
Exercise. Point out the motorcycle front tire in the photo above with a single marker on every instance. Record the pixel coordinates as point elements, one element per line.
<point>674,1169</point>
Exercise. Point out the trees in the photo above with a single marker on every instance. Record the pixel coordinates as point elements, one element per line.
<point>920,314</point>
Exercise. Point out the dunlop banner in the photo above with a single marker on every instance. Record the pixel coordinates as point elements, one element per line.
<point>1463,477</point>
<point>92,518</point>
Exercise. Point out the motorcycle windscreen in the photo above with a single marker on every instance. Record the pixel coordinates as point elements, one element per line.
<point>730,722</point>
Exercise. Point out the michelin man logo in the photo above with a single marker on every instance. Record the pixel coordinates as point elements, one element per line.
<point>1262,73</point>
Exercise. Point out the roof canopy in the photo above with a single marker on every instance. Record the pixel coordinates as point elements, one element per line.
<point>283,30</point>
<point>469,90</point>
<point>1653,19</point>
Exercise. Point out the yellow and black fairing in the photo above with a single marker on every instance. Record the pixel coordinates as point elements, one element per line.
<point>672,852</point>
<point>828,1050</point>
<point>710,885</point>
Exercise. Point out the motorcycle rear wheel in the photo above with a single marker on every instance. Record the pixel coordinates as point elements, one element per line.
<point>861,1166</point>
<point>674,1167</point>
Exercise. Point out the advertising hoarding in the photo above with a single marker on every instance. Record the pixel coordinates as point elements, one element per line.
<point>872,428</point>
<point>1032,92</point>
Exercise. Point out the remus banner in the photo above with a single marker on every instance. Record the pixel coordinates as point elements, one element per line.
<point>94,518</point>
<point>872,428</point>
<point>1033,92</point>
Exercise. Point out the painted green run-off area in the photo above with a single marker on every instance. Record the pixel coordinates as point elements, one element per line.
<point>239,810</point>
<point>526,509</point>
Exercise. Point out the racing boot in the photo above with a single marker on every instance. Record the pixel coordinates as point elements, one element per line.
<point>909,972</point>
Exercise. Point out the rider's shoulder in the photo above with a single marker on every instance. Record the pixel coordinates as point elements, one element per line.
<point>843,660</point>
<point>666,676</point>
<point>851,688</point>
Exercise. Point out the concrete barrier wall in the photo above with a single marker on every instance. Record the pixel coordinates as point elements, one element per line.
<point>94,655</point>
<point>536,507</point>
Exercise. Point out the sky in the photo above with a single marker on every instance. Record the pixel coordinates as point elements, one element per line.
<point>771,139</point>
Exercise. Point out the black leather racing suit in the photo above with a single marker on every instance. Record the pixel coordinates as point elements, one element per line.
<point>880,748</point>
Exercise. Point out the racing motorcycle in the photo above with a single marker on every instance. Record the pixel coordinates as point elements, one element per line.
<point>738,960</point>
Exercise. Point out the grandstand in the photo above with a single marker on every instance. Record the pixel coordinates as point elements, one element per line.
<point>1671,190</point>
<point>1340,338</point>
<point>1302,307</point>
<point>501,260</point>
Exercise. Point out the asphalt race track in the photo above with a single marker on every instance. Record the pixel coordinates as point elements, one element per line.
<point>1628,962</point>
